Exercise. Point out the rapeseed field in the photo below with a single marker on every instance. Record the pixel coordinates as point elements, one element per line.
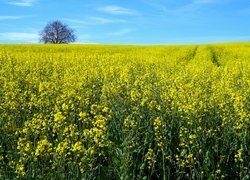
<point>125,112</point>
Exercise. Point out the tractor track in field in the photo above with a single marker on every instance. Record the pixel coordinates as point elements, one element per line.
<point>195,52</point>
<point>214,57</point>
<point>191,55</point>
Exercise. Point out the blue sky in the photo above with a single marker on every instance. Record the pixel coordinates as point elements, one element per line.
<point>129,21</point>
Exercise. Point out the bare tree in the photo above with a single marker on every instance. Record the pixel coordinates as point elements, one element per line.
<point>57,33</point>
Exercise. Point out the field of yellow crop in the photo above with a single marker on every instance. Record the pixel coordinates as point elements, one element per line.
<point>125,112</point>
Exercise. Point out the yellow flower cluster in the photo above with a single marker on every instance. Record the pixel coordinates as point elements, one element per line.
<point>160,132</point>
<point>44,147</point>
<point>130,123</point>
<point>150,156</point>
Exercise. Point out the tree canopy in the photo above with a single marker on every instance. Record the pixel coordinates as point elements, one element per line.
<point>57,32</point>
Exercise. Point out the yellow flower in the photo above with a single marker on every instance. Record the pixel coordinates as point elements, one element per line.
<point>82,115</point>
<point>44,147</point>
<point>65,107</point>
<point>218,171</point>
<point>63,147</point>
<point>192,136</point>
<point>20,169</point>
<point>59,118</point>
<point>150,156</point>
<point>238,156</point>
<point>100,123</point>
<point>78,147</point>
<point>86,133</point>
<point>105,110</point>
